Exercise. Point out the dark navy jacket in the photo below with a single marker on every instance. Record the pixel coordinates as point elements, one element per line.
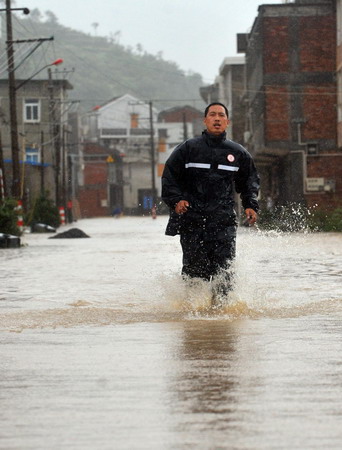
<point>204,171</point>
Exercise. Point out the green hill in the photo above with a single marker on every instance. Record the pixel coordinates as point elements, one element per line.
<point>103,68</point>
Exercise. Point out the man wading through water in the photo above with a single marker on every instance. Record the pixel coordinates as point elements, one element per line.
<point>198,186</point>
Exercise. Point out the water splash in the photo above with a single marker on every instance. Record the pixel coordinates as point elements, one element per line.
<point>277,275</point>
<point>292,217</point>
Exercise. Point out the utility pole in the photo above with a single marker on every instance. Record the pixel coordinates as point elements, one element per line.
<point>154,200</point>
<point>64,193</point>
<point>42,162</point>
<point>16,185</point>
<point>2,174</point>
<point>55,137</point>
<point>185,127</point>
<point>13,105</point>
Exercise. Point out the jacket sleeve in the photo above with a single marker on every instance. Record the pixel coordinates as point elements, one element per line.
<point>247,182</point>
<point>173,177</point>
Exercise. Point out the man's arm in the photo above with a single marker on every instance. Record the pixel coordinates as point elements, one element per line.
<point>173,179</point>
<point>247,183</point>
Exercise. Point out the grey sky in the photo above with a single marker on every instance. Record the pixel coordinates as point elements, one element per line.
<point>196,34</point>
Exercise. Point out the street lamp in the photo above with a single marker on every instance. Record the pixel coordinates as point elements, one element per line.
<point>55,63</point>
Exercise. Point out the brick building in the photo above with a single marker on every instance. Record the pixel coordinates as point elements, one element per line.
<point>102,188</point>
<point>292,95</point>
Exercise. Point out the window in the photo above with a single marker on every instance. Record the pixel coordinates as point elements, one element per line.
<point>134,120</point>
<point>32,155</point>
<point>32,110</point>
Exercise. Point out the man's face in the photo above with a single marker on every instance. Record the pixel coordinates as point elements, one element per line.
<point>216,120</point>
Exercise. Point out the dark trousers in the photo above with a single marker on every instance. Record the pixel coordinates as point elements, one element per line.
<point>205,256</point>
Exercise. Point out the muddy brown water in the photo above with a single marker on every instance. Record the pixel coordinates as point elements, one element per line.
<point>103,347</point>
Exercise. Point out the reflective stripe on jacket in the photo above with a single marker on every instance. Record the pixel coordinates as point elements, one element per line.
<point>204,171</point>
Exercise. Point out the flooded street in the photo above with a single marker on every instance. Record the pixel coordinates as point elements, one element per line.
<point>103,347</point>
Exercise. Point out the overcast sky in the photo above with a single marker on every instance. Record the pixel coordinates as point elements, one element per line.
<point>196,34</point>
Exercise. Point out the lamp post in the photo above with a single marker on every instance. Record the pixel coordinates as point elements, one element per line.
<point>153,175</point>
<point>55,132</point>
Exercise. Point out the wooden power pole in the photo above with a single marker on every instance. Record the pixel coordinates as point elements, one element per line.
<point>13,106</point>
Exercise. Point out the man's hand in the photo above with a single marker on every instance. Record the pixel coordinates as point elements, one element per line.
<point>251,216</point>
<point>182,207</point>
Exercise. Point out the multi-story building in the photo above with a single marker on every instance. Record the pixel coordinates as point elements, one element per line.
<point>292,96</point>
<point>42,119</point>
<point>229,89</point>
<point>121,129</point>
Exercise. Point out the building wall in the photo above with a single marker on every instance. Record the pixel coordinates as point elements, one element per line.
<point>231,82</point>
<point>179,114</point>
<point>292,93</point>
<point>138,177</point>
<point>36,136</point>
<point>299,69</point>
<point>92,200</point>
<point>102,190</point>
<point>339,70</point>
<point>329,167</point>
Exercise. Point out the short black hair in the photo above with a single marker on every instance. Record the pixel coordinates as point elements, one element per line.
<point>215,103</point>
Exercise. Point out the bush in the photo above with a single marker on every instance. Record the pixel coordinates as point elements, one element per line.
<point>327,221</point>
<point>45,211</point>
<point>9,217</point>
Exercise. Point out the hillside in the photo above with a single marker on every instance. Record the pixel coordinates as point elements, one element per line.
<point>103,68</point>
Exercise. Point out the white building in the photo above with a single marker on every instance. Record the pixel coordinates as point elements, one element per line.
<point>123,124</point>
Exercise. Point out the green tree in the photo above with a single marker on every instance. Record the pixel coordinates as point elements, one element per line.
<point>9,217</point>
<point>45,211</point>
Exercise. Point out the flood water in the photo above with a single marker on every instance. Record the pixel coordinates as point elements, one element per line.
<point>103,347</point>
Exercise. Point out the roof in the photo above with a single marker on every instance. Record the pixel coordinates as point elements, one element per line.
<point>63,83</point>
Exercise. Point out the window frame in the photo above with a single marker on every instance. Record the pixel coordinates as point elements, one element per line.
<point>30,104</point>
<point>32,155</point>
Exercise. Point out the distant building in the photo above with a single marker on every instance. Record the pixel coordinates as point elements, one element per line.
<point>229,90</point>
<point>42,128</point>
<point>121,128</point>
<point>292,96</point>
<point>102,188</point>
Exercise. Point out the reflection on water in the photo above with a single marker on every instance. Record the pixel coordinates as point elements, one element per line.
<point>204,383</point>
<point>103,346</point>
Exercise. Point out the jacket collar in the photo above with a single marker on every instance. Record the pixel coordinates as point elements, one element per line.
<point>215,139</point>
